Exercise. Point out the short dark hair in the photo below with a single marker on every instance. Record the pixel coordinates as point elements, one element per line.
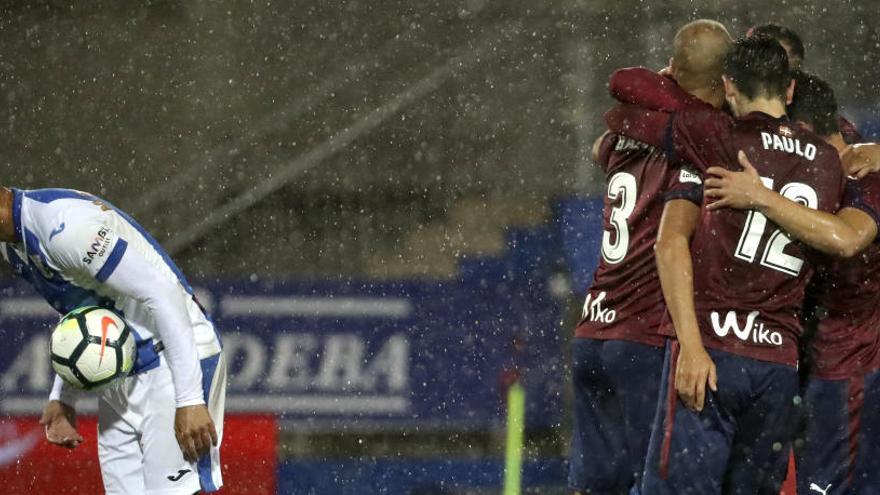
<point>758,65</point>
<point>814,103</point>
<point>781,34</point>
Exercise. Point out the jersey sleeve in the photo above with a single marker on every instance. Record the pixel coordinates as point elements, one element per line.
<point>606,147</point>
<point>137,278</point>
<point>87,245</point>
<point>864,195</point>
<point>648,89</point>
<point>695,136</point>
<point>64,392</point>
<point>646,126</point>
<point>684,183</point>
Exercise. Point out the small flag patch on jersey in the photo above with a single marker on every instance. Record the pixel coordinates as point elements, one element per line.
<point>785,131</point>
<point>687,176</point>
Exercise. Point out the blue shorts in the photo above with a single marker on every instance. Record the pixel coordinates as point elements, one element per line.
<point>738,444</point>
<point>616,385</point>
<point>841,448</point>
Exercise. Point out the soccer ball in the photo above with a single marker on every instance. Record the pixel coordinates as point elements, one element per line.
<point>91,347</point>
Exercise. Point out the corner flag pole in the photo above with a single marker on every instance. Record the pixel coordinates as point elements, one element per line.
<point>516,413</point>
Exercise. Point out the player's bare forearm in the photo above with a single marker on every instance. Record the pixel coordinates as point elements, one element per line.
<point>741,190</point>
<point>694,368</point>
<point>674,266</point>
<point>843,235</point>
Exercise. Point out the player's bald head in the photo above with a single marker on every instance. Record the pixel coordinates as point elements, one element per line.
<point>699,50</point>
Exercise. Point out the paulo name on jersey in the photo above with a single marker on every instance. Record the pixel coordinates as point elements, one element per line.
<point>78,250</point>
<point>750,276</point>
<point>625,301</point>
<point>847,341</point>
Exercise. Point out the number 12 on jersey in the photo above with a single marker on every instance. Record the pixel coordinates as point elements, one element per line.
<point>753,231</point>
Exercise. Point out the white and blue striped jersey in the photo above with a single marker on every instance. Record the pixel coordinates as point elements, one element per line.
<point>78,250</point>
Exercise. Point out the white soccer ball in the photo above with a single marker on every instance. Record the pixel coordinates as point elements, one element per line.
<point>91,347</point>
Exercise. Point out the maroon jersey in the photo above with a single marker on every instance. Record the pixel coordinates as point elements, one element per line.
<point>847,342</point>
<point>749,277</point>
<point>651,91</point>
<point>625,301</point>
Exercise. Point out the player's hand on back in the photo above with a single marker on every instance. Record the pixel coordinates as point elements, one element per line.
<point>195,431</point>
<point>60,422</point>
<point>860,160</point>
<point>740,190</point>
<point>693,371</point>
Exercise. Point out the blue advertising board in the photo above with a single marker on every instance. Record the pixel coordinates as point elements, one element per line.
<point>346,355</point>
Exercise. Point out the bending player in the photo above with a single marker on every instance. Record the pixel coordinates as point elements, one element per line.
<point>159,430</point>
<point>618,351</point>
<point>839,454</point>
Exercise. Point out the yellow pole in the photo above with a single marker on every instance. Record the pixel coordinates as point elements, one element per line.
<point>516,413</point>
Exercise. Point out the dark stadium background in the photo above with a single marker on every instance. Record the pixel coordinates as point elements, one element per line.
<point>430,151</point>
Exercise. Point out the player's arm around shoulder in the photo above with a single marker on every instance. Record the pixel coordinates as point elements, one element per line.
<point>844,234</point>
<point>649,89</point>
<point>647,126</point>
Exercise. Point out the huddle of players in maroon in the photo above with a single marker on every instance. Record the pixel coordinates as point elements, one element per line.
<point>727,210</point>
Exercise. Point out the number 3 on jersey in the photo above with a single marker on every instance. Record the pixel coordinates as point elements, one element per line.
<point>774,257</point>
<point>621,190</point>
